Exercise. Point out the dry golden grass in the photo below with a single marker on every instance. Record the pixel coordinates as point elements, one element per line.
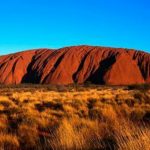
<point>111,118</point>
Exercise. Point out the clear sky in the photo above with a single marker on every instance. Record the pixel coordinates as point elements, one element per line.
<point>27,24</point>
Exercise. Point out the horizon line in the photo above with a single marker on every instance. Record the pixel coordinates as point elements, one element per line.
<point>61,47</point>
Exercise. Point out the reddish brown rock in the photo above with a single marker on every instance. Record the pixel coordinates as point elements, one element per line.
<point>78,64</point>
<point>14,66</point>
<point>143,61</point>
<point>123,72</point>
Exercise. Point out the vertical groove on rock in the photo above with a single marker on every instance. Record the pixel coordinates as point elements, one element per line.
<point>76,64</point>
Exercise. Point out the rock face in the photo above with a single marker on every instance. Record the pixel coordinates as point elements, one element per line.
<point>78,64</point>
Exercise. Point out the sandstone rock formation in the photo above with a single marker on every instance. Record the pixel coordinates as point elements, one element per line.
<point>77,64</point>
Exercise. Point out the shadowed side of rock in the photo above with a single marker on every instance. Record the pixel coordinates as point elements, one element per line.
<point>76,64</point>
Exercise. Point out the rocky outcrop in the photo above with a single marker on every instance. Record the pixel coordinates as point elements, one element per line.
<point>77,64</point>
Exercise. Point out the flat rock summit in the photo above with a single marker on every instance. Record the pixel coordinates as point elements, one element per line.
<point>76,64</point>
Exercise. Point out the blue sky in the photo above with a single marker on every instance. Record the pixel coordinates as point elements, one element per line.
<point>27,24</point>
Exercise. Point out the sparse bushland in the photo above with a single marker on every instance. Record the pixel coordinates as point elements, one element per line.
<point>74,117</point>
<point>141,87</point>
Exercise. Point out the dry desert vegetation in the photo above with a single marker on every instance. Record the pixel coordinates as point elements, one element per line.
<point>74,117</point>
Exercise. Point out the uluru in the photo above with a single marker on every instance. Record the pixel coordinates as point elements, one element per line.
<point>76,64</point>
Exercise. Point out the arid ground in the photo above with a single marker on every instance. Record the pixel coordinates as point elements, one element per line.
<point>74,117</point>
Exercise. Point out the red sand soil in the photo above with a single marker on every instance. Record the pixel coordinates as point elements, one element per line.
<point>78,64</point>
